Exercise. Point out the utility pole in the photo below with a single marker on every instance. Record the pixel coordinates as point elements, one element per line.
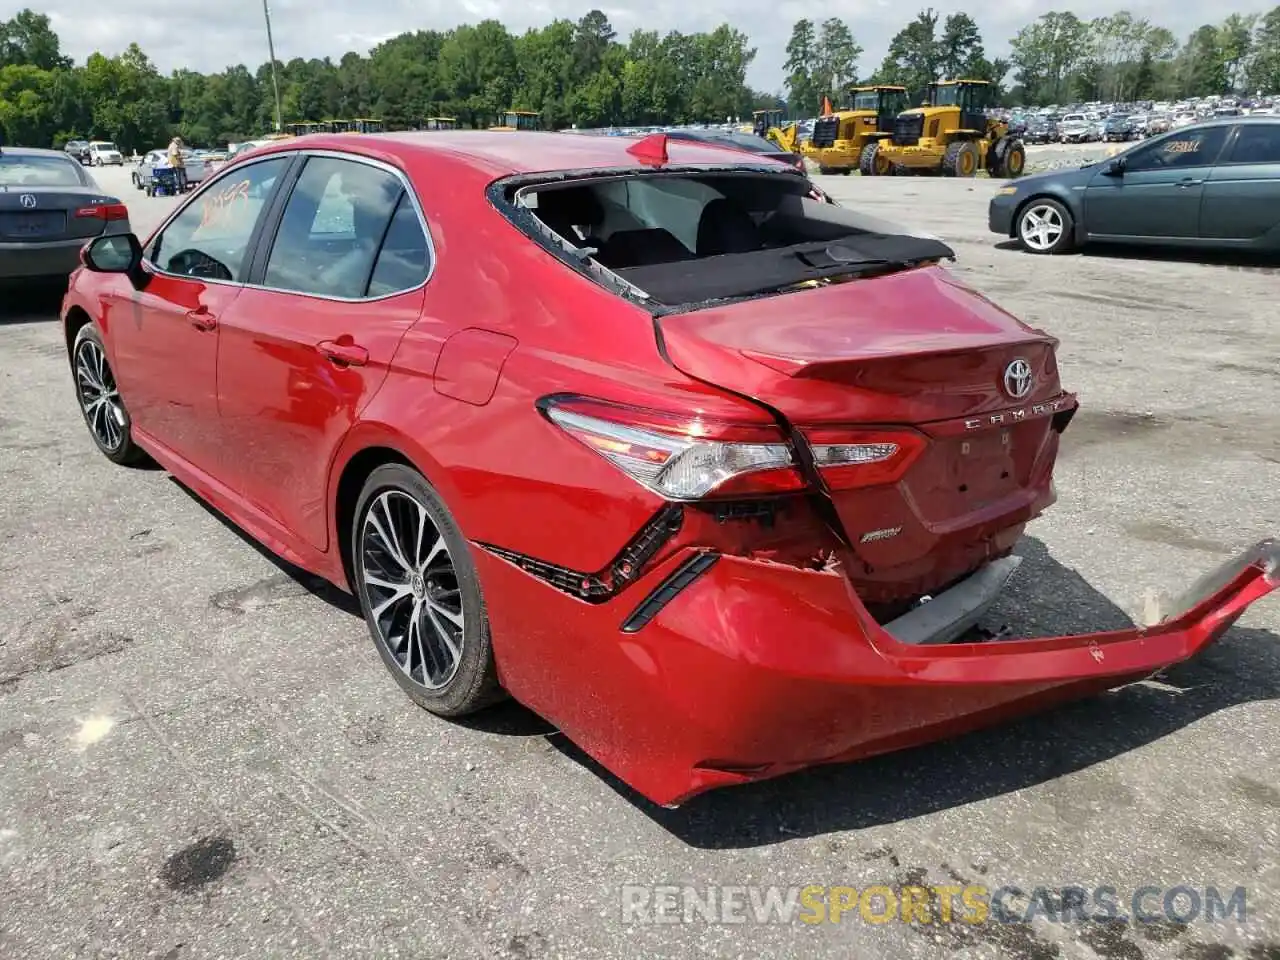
<point>275,84</point>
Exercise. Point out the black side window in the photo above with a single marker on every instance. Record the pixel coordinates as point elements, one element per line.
<point>1256,143</point>
<point>332,228</point>
<point>404,259</point>
<point>1186,148</point>
<point>210,237</point>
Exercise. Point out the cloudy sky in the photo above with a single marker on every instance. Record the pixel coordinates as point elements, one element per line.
<point>210,35</point>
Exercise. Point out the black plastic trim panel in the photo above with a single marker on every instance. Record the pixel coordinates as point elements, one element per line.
<point>621,570</point>
<point>666,591</point>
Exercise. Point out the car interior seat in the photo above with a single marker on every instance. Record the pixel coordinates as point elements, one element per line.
<point>725,227</point>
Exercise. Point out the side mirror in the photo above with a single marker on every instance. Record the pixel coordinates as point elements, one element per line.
<point>115,253</point>
<point>1116,167</point>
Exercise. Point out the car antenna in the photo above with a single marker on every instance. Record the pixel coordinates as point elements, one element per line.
<point>650,150</point>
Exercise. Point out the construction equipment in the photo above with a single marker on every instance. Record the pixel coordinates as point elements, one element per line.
<point>951,134</point>
<point>519,120</point>
<point>768,124</point>
<point>439,123</point>
<point>840,140</point>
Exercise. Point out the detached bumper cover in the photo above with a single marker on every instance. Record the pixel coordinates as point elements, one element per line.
<point>756,669</point>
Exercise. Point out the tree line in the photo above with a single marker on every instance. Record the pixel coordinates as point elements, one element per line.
<point>1058,58</point>
<point>581,73</point>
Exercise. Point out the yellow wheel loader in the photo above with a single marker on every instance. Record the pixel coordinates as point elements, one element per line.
<point>951,134</point>
<point>768,124</point>
<point>841,140</point>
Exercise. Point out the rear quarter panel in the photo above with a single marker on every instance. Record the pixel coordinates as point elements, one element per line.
<point>510,477</point>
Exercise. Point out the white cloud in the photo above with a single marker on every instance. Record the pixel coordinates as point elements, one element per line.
<point>210,36</point>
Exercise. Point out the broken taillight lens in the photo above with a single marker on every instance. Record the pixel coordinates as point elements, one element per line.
<point>850,459</point>
<point>681,457</point>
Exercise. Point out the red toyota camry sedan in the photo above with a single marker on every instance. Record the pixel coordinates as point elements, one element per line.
<point>715,474</point>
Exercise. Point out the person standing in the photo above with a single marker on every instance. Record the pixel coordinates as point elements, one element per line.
<point>178,164</point>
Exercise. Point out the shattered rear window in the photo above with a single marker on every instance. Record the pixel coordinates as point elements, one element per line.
<point>691,237</point>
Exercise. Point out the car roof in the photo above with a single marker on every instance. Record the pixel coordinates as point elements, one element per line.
<point>506,153</point>
<point>32,152</point>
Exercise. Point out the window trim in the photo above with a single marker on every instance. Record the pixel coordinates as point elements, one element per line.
<point>1237,133</point>
<point>257,268</point>
<point>255,237</point>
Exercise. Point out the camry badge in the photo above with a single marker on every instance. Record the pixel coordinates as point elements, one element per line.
<point>1017,379</point>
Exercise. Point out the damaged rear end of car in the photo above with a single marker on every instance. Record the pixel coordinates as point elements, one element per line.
<point>812,582</point>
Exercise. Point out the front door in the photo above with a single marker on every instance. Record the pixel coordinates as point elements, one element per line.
<point>165,336</point>
<point>310,340</point>
<point>1157,194</point>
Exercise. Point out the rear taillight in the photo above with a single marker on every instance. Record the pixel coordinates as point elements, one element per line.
<point>850,459</point>
<point>105,211</point>
<point>681,457</point>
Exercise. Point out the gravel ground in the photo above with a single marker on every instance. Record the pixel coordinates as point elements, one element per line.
<point>203,757</point>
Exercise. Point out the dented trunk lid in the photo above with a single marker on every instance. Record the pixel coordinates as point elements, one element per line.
<point>914,350</point>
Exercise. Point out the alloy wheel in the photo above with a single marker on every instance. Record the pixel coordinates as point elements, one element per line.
<point>1040,227</point>
<point>99,396</point>
<point>412,588</point>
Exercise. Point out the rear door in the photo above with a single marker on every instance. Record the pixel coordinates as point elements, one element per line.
<point>1158,195</point>
<point>1242,193</point>
<point>311,339</point>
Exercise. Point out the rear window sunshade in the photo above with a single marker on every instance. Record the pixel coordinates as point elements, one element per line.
<point>747,274</point>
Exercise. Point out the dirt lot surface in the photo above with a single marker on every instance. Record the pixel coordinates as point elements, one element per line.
<point>202,756</point>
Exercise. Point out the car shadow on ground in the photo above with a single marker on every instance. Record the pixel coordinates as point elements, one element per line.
<point>316,586</point>
<point>36,302</point>
<point>1235,259</point>
<point>1045,599</point>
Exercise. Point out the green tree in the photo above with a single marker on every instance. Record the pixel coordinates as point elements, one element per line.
<point>1264,66</point>
<point>28,40</point>
<point>1046,53</point>
<point>836,59</point>
<point>803,94</point>
<point>915,55</point>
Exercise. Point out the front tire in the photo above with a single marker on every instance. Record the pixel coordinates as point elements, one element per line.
<point>1045,226</point>
<point>421,595</point>
<point>871,163</point>
<point>961,159</point>
<point>100,401</point>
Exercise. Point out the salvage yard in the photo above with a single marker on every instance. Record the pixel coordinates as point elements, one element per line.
<point>200,755</point>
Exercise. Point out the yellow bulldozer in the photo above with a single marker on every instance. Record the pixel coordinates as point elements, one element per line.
<point>840,139</point>
<point>768,124</point>
<point>951,134</point>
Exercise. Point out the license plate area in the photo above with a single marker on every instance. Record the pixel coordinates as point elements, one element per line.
<point>33,225</point>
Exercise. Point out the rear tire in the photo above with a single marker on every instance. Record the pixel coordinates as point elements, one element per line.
<point>1045,226</point>
<point>100,402</point>
<point>420,594</point>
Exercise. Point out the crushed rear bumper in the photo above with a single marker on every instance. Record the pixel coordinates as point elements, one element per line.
<point>754,669</point>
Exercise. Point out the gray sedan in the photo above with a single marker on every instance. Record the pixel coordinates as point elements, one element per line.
<point>50,207</point>
<point>1211,185</point>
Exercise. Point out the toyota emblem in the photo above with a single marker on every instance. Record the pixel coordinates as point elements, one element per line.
<point>1017,379</point>
<point>28,200</point>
